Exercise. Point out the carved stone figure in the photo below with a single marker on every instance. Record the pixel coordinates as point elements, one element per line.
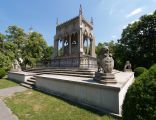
<point>105,66</point>
<point>127,66</point>
<point>105,61</point>
<point>16,66</point>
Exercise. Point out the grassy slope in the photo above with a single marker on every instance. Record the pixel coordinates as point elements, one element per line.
<point>4,83</point>
<point>33,105</point>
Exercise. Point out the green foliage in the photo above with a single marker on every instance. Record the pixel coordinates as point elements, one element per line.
<point>48,53</point>
<point>139,41</point>
<point>2,37</point>
<point>140,100</point>
<point>99,48</point>
<point>2,73</point>
<point>5,62</point>
<point>16,36</point>
<point>139,70</point>
<point>34,50</point>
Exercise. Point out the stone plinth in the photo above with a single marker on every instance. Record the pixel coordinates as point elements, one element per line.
<point>104,77</point>
<point>19,76</point>
<point>107,98</point>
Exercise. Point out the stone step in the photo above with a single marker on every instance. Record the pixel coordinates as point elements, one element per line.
<point>76,75</point>
<point>31,80</point>
<point>69,72</point>
<point>47,70</point>
<point>26,85</point>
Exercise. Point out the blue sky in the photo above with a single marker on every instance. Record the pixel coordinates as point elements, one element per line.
<point>110,16</point>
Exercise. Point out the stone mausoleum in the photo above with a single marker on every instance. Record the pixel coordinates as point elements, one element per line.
<point>74,43</point>
<point>71,72</point>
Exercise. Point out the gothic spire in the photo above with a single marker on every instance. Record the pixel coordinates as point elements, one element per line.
<point>80,10</point>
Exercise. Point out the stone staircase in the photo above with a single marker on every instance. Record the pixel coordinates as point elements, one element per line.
<point>87,73</point>
<point>30,83</point>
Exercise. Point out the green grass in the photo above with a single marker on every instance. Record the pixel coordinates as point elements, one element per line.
<point>34,105</point>
<point>4,83</point>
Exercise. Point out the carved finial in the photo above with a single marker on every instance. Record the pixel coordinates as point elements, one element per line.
<point>80,10</point>
<point>91,20</point>
<point>57,22</point>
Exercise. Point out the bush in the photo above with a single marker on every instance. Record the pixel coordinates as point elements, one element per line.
<point>2,73</point>
<point>139,70</point>
<point>140,99</point>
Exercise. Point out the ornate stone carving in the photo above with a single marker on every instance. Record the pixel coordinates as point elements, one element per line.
<point>105,66</point>
<point>16,66</point>
<point>127,66</point>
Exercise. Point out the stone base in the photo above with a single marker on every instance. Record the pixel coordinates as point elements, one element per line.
<point>104,77</point>
<point>107,98</point>
<point>128,70</point>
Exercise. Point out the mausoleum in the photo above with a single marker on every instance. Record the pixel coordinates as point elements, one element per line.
<point>74,43</point>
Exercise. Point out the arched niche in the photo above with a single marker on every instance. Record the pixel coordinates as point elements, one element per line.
<point>74,44</point>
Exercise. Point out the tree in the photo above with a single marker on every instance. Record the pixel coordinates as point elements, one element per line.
<point>99,48</point>
<point>34,49</point>
<point>139,41</point>
<point>2,38</point>
<point>17,37</point>
<point>48,53</point>
<point>5,62</point>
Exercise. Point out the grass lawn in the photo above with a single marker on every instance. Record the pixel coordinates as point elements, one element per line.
<point>4,83</point>
<point>34,105</point>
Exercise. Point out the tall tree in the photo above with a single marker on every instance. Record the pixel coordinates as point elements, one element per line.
<point>2,38</point>
<point>139,41</point>
<point>16,36</point>
<point>34,49</point>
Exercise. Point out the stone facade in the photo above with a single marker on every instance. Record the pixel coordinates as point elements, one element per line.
<point>73,35</point>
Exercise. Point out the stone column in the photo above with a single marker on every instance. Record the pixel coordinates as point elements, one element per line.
<point>63,46</point>
<point>56,47</point>
<point>87,46</point>
<point>93,47</point>
<point>69,44</point>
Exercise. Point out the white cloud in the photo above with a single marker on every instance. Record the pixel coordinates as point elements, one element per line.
<point>135,12</point>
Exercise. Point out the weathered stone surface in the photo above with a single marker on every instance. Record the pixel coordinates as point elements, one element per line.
<point>105,67</point>
<point>104,77</point>
<point>127,67</point>
<point>104,97</point>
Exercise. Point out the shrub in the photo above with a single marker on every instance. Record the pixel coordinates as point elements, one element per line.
<point>2,73</point>
<point>139,70</point>
<point>140,99</point>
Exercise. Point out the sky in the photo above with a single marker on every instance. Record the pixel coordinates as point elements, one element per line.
<point>110,16</point>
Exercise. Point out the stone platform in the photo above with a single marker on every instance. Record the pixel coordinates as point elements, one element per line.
<point>107,98</point>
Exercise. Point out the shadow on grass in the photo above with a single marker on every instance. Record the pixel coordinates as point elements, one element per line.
<point>79,104</point>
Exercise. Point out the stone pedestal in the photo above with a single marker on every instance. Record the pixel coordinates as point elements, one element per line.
<point>104,78</point>
<point>127,70</point>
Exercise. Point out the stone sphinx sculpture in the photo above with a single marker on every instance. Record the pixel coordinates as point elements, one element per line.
<point>105,66</point>
<point>16,66</point>
<point>127,67</point>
